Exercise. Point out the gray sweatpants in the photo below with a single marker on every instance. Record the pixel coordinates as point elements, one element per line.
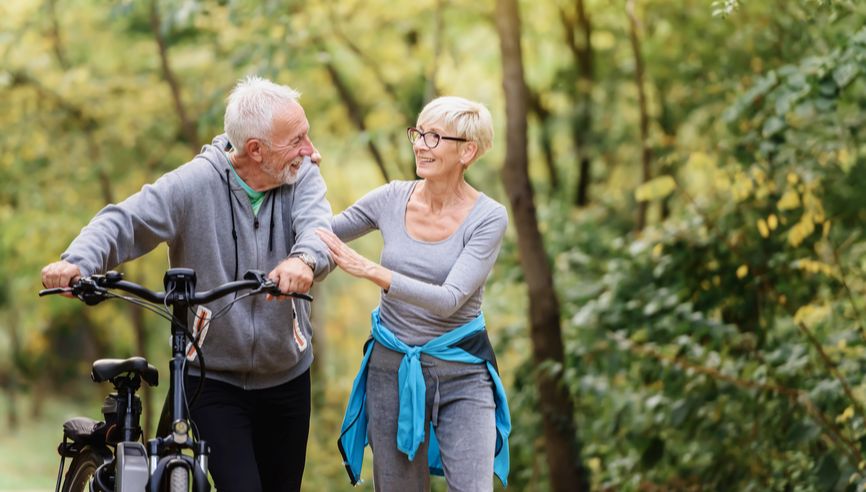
<point>460,406</point>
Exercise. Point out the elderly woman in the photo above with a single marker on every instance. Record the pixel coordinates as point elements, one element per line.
<point>428,383</point>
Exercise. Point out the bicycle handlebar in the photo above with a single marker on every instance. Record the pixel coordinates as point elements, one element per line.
<point>94,289</point>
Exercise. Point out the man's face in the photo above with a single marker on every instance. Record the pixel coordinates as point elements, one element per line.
<point>290,143</point>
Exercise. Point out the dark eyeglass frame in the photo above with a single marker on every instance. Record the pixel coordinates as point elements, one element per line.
<point>423,137</point>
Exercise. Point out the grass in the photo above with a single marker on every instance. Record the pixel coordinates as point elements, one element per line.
<point>28,453</point>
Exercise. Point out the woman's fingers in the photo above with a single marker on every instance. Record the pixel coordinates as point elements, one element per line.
<point>345,257</point>
<point>337,247</point>
<point>331,241</point>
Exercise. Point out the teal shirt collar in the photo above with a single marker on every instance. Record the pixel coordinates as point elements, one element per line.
<point>256,197</point>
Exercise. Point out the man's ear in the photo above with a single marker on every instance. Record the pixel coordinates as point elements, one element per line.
<point>254,148</point>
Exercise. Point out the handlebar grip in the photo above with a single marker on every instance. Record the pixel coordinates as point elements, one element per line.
<point>55,290</point>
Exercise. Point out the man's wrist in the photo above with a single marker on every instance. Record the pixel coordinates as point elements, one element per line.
<point>307,259</point>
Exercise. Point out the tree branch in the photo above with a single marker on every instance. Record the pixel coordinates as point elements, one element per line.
<point>54,32</point>
<point>187,126</point>
<point>356,115</point>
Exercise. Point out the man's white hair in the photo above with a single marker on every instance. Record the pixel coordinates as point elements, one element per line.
<point>250,110</point>
<point>467,119</point>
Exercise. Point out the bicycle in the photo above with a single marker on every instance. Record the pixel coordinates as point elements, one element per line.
<point>108,455</point>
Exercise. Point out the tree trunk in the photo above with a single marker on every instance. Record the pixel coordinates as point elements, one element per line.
<point>646,152</point>
<point>557,408</point>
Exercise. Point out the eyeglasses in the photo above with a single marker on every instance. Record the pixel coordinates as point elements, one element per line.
<point>431,139</point>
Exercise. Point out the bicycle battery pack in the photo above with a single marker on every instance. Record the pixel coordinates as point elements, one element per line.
<point>131,472</point>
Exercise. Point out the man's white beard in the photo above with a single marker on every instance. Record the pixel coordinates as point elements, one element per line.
<point>284,176</point>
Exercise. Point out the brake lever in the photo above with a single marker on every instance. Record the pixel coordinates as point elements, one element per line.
<point>88,290</point>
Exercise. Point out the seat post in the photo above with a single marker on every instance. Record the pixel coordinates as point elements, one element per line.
<point>131,406</point>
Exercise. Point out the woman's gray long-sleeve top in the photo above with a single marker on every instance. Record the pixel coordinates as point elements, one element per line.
<point>436,286</point>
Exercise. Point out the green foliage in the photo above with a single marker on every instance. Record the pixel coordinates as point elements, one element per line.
<point>722,347</point>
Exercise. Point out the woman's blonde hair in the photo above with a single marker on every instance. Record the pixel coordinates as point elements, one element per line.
<point>467,119</point>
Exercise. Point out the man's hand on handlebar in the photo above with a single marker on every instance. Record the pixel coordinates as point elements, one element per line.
<point>60,274</point>
<point>291,275</point>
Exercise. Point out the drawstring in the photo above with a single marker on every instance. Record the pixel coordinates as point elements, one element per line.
<point>232,213</point>
<point>272,199</point>
<point>271,231</point>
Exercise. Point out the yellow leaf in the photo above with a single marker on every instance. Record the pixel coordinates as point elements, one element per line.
<point>742,271</point>
<point>655,189</point>
<point>793,178</point>
<point>790,200</point>
<point>813,266</point>
<point>845,159</point>
<point>801,230</point>
<point>699,160</point>
<point>763,229</point>
<point>811,314</point>
<point>743,186</point>
<point>772,222</point>
<point>845,415</point>
<point>795,235</point>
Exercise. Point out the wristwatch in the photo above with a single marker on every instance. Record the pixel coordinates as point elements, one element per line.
<point>307,259</point>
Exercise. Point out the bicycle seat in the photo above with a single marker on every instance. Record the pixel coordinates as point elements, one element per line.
<point>105,369</point>
<point>81,430</point>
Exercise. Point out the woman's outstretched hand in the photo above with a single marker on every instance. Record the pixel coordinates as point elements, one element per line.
<point>353,263</point>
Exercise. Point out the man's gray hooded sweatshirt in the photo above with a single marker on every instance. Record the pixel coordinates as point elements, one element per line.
<point>206,218</point>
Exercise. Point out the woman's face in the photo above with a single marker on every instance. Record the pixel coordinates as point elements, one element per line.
<point>442,161</point>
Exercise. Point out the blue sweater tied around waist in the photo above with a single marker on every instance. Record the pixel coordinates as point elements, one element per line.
<point>412,395</point>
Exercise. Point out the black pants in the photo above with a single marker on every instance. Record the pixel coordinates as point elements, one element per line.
<point>258,438</point>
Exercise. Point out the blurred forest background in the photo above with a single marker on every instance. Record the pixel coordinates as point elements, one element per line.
<point>679,302</point>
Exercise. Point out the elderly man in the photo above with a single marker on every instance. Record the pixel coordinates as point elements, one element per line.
<point>249,201</point>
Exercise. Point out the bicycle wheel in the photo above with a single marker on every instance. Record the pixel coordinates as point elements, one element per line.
<point>83,468</point>
<point>179,479</point>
